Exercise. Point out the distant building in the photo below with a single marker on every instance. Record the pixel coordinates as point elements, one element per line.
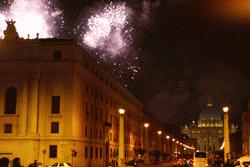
<point>246,131</point>
<point>208,130</point>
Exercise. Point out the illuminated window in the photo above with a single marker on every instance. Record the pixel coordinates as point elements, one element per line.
<point>55,106</point>
<point>10,100</point>
<point>54,127</point>
<point>7,128</point>
<point>53,151</point>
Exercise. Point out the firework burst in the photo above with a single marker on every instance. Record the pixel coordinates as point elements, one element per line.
<point>107,34</point>
<point>107,29</point>
<point>32,17</point>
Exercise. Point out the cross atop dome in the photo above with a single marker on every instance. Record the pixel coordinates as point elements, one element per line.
<point>10,33</point>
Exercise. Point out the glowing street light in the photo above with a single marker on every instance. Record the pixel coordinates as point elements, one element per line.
<point>159,132</point>
<point>121,149</point>
<point>121,111</point>
<point>146,125</point>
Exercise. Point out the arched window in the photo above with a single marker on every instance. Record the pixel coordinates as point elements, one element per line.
<point>10,100</point>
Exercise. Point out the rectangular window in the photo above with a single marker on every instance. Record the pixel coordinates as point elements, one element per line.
<point>55,106</point>
<point>7,128</point>
<point>87,88</point>
<point>86,152</point>
<point>54,127</point>
<point>57,55</point>
<point>96,152</point>
<point>95,133</point>
<point>91,152</point>
<point>53,151</point>
<point>100,152</point>
<point>86,131</point>
<point>92,110</point>
<point>96,113</point>
<point>101,111</point>
<point>87,109</point>
<point>100,134</point>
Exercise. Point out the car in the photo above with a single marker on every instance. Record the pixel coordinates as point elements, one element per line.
<point>134,162</point>
<point>242,161</point>
<point>61,164</point>
<point>131,163</point>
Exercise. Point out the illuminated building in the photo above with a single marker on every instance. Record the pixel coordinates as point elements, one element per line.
<point>208,130</point>
<point>246,131</point>
<point>59,105</point>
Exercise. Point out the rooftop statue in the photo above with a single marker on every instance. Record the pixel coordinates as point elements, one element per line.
<point>10,33</point>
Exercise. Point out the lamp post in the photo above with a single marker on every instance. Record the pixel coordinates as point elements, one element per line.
<point>146,143</point>
<point>160,143</point>
<point>174,146</point>
<point>168,145</point>
<point>121,150</point>
<point>226,135</point>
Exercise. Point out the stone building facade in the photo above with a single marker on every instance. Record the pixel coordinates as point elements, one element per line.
<point>57,104</point>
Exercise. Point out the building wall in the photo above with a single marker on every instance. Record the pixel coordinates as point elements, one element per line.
<point>89,96</point>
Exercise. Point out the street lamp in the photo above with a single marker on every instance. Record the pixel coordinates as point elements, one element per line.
<point>226,135</point>
<point>121,149</point>
<point>146,145</point>
<point>168,144</point>
<point>161,145</point>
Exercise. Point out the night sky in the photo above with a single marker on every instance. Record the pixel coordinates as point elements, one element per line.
<point>189,51</point>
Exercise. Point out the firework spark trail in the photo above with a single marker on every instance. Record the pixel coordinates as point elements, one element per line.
<point>32,17</point>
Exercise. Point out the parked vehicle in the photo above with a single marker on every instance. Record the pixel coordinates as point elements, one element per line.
<point>242,161</point>
<point>200,159</point>
<point>61,164</point>
<point>131,163</point>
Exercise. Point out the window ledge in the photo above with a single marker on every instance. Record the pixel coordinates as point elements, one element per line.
<point>9,115</point>
<point>55,115</point>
